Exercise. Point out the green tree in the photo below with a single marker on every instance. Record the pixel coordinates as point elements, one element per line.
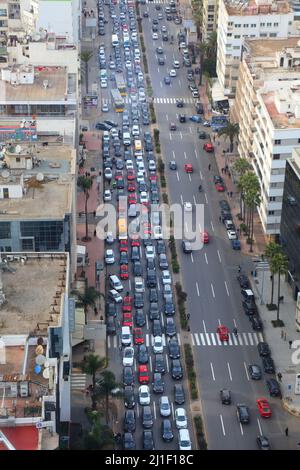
<point>100,435</point>
<point>271,250</point>
<point>280,265</point>
<point>91,365</point>
<point>88,298</point>
<point>85,184</point>
<point>85,57</point>
<point>240,166</point>
<point>105,385</point>
<point>230,131</point>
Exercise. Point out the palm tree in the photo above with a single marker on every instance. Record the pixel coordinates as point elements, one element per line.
<point>100,436</point>
<point>87,298</point>
<point>85,57</point>
<point>91,365</point>
<point>34,184</point>
<point>105,385</point>
<point>252,199</point>
<point>271,250</point>
<point>281,266</point>
<point>240,166</point>
<point>230,131</point>
<point>85,184</point>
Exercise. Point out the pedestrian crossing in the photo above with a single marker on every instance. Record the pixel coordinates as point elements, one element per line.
<point>155,2</point>
<point>173,100</point>
<point>212,339</point>
<point>112,341</point>
<point>78,381</point>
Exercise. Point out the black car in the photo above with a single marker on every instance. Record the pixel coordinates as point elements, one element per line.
<point>274,388</point>
<point>165,37</point>
<point>263,349</point>
<point>170,327</point>
<point>176,369</point>
<point>174,348</point>
<point>243,281</point>
<point>249,307</point>
<point>256,323</point>
<point>179,396</point>
<point>135,253</point>
<point>161,61</point>
<point>111,123</point>
<point>111,309</point>
<point>166,430</point>
<point>123,257</point>
<point>151,263</point>
<point>186,246</point>
<point>148,441</point>
<point>129,399</point>
<point>255,371</point>
<point>128,376</point>
<point>154,313</point>
<point>263,443</point>
<point>128,441</point>
<point>202,135</point>
<point>163,261</point>
<point>159,363</point>
<point>199,108</point>
<point>160,247</point>
<point>218,179</point>
<point>225,396</point>
<point>142,355</point>
<point>179,103</point>
<point>169,307</point>
<point>153,295</point>
<point>137,268</point>
<point>173,165</point>
<point>159,50</point>
<point>147,418</point>
<point>182,118</point>
<point>151,278</point>
<point>129,421</point>
<point>140,317</point>
<point>268,365</point>
<point>158,384</point>
<point>111,327</point>
<point>156,329</point>
<point>243,414</point>
<point>138,300</point>
<point>100,126</point>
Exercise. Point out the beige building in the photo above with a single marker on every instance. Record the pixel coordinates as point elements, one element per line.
<point>267,108</point>
<point>210,17</point>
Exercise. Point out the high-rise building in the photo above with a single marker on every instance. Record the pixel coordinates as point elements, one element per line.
<point>210,17</point>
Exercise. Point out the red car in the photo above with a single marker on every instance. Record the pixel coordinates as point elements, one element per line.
<point>127,304</point>
<point>138,336</point>
<point>223,333</point>
<point>130,175</point>
<point>220,188</point>
<point>263,408</point>
<point>131,187</point>
<point>127,319</point>
<point>123,245</point>
<point>132,198</point>
<point>135,240</point>
<point>143,374</point>
<point>153,178</point>
<point>208,147</point>
<point>205,237</point>
<point>119,175</point>
<point>188,168</point>
<point>124,272</point>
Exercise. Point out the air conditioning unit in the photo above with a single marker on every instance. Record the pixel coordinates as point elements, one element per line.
<point>24,389</point>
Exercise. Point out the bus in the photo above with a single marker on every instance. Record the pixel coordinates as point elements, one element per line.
<point>122,228</point>
<point>120,82</point>
<point>118,100</point>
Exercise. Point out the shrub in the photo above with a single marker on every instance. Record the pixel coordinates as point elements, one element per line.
<point>243,227</point>
<point>145,63</point>
<point>165,198</point>
<point>163,181</point>
<point>175,266</point>
<point>199,433</point>
<point>160,165</point>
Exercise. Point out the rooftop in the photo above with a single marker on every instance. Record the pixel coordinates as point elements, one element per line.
<point>256,7</point>
<point>269,47</point>
<point>288,96</point>
<point>19,438</point>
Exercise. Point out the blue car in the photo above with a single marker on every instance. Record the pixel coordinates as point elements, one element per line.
<point>196,118</point>
<point>236,244</point>
<point>167,80</point>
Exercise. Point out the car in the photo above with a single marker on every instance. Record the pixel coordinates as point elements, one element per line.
<point>223,333</point>
<point>138,337</point>
<point>235,244</point>
<point>166,277</point>
<point>161,61</point>
<point>129,421</point>
<point>129,398</point>
<point>174,348</point>
<point>264,408</point>
<point>146,14</point>
<point>196,119</point>
<point>274,388</point>
<point>128,441</point>
<point>249,307</point>
<point>202,135</point>
<point>179,103</point>
<point>243,281</point>
<point>225,396</point>
<point>268,365</point>
<point>109,256</point>
<point>170,326</point>
<point>151,278</point>
<point>188,168</point>
<point>158,384</point>
<point>153,295</point>
<point>180,418</point>
<point>172,165</point>
<point>138,300</point>
<point>263,349</point>
<point>247,294</point>
<point>144,395</point>
<point>164,406</point>
<point>206,123</point>
<point>159,50</point>
<point>208,147</point>
<point>231,234</point>
<point>128,376</point>
<point>151,265</point>
<point>108,174</point>
<point>199,108</point>
<point>159,363</point>
<point>111,309</point>
<point>176,369</point>
<point>179,396</point>
<point>172,126</point>
<point>128,356</point>
<point>169,307</point>
<point>195,93</point>
<point>163,261</point>
<point>109,238</point>
<point>148,440</point>
<point>154,36</point>
<point>115,296</point>
<point>127,319</point>
<point>123,257</point>
<point>263,442</point>
<point>135,253</point>
<point>186,246</point>
<point>256,322</point>
<point>243,413</point>
<point>176,64</point>
<point>100,126</point>
<point>255,371</point>
<point>172,73</point>
<point>123,246</point>
<point>111,327</point>
<point>158,345</point>
<point>220,187</point>
<point>150,252</point>
<point>166,430</point>
<point>167,80</point>
<point>107,195</point>
<point>204,237</point>
<point>143,374</point>
<point>137,268</point>
<point>142,354</point>
<point>147,418</point>
<point>127,304</point>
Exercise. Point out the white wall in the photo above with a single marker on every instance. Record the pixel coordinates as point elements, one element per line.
<point>62,126</point>
<point>58,16</point>
<point>14,190</point>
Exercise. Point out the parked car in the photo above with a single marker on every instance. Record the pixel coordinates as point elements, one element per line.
<point>179,396</point>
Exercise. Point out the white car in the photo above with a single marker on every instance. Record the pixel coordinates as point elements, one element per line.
<point>141,166</point>
<point>140,177</point>
<point>158,347</point>
<point>180,418</point>
<point>128,64</point>
<point>103,83</point>
<point>151,165</point>
<point>142,96</point>
<point>109,238</point>
<point>172,73</point>
<point>105,107</point>
<point>109,257</point>
<point>106,136</point>
<point>188,207</point>
<point>184,440</point>
<point>135,131</point>
<point>164,406</point>
<point>114,295</point>
<point>166,277</point>
<point>231,234</point>
<point>176,64</point>
<point>144,395</point>
<point>140,76</point>
<point>128,356</point>
<point>107,195</point>
<point>167,289</point>
<point>154,36</point>
<point>129,165</point>
<point>144,198</point>
<point>112,65</point>
<point>150,252</point>
<point>157,232</point>
<point>108,174</point>
<point>114,133</point>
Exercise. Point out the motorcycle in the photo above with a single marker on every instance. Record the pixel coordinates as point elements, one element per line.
<point>200,188</point>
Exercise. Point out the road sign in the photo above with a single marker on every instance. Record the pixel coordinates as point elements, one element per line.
<point>44,424</point>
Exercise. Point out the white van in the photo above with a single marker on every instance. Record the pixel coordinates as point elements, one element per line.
<point>126,336</point>
<point>184,440</point>
<point>126,139</point>
<point>115,40</point>
<point>115,283</point>
<point>132,211</point>
<point>139,285</point>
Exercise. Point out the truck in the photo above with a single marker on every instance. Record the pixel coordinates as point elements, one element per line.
<point>120,82</point>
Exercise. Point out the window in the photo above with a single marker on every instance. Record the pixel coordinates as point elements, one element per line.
<point>276,156</point>
<point>273,35</point>
<point>229,35</point>
<point>211,7</point>
<point>262,24</point>
<point>298,141</point>
<point>230,23</point>
<point>237,25</point>
<point>18,159</point>
<point>237,36</point>
<point>263,35</point>
<point>46,235</point>
<point>272,199</point>
<point>27,244</point>
<point>276,24</point>
<point>236,47</point>
<point>210,17</point>
<point>246,26</point>
<point>269,25</point>
<point>5,230</point>
<point>253,25</point>
<point>278,141</point>
<point>270,212</point>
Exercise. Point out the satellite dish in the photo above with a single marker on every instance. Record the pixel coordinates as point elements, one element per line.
<point>46,364</point>
<point>46,373</point>
<point>297,62</point>
<point>37,369</point>
<point>18,148</point>
<point>5,174</point>
<point>40,359</point>
<point>40,177</point>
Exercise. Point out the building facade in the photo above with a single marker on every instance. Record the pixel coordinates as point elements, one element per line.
<point>210,17</point>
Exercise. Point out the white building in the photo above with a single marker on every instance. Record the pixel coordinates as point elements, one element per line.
<point>209,17</point>
<point>250,19</point>
<point>61,17</point>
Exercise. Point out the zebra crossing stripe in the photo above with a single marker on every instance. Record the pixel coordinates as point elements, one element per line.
<point>250,339</point>
<point>147,340</point>
<point>240,339</point>
<point>256,340</point>
<point>230,341</point>
<point>218,340</point>
<point>197,339</point>
<point>245,339</point>
<point>235,341</point>
<point>213,339</point>
<point>207,338</point>
<point>163,340</point>
<point>260,336</point>
<point>193,342</point>
<point>202,339</point>
<point>108,341</point>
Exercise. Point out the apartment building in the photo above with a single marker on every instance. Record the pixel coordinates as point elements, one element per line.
<point>210,17</point>
<point>267,109</point>
<point>67,23</point>
<point>239,20</point>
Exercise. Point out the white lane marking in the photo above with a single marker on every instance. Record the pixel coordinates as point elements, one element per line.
<point>218,340</point>
<point>186,227</point>
<point>245,339</point>
<point>150,362</point>
<point>158,286</point>
<point>167,117</point>
<point>177,175</point>
<point>190,178</point>
<point>178,338</point>
<point>234,322</point>
<point>212,289</point>
<point>212,226</point>
<point>212,371</point>
<point>173,155</point>
<point>230,340</point>
<point>194,199</point>
<point>197,289</point>
<point>192,259</point>
<point>219,322</point>
<point>181,198</point>
<point>226,288</point>
<point>222,424</point>
<point>147,340</point>
<point>179,83</point>
<point>241,428</point>
<point>162,318</point>
<point>205,256</point>
<point>261,338</point>
<point>202,339</point>
<point>147,323</point>
<point>213,340</point>
<point>201,176</point>
<point>193,342</point>
<point>158,69</point>
<point>259,427</point>
<point>172,409</point>
<point>229,371</point>
<point>129,284</point>
<point>160,84</point>
<point>235,340</point>
<point>204,327</point>
<point>154,410</point>
<point>246,370</point>
<point>197,339</point>
<point>138,411</point>
<point>181,135</point>
<point>184,153</point>
<point>196,153</point>
<point>219,256</point>
<point>167,362</point>
<point>240,339</point>
<point>206,200</point>
<point>207,338</point>
<point>250,339</point>
<point>190,130</point>
<point>170,136</point>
